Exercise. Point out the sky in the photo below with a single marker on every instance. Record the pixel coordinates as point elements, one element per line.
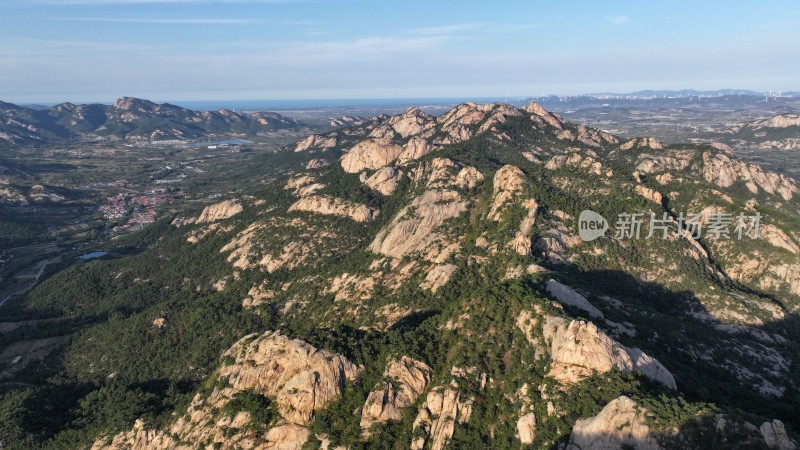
<point>183,50</point>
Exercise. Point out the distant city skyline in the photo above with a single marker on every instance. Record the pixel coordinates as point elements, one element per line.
<point>234,50</point>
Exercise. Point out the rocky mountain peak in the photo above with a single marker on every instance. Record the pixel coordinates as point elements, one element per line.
<point>132,103</point>
<point>778,121</point>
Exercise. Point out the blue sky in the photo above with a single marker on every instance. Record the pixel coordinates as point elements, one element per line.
<point>97,50</point>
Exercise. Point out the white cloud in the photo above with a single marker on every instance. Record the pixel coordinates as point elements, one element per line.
<point>619,20</point>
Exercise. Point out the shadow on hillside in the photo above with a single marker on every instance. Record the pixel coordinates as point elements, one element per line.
<point>413,320</point>
<point>677,329</point>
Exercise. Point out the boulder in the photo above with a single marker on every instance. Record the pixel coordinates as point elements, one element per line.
<point>775,436</point>
<point>437,419</point>
<point>220,211</point>
<point>508,181</point>
<point>579,349</point>
<point>406,378</point>
<point>621,424</point>
<point>438,276</point>
<point>526,428</point>
<point>385,180</point>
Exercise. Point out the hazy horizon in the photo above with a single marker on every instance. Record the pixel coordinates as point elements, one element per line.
<point>337,102</point>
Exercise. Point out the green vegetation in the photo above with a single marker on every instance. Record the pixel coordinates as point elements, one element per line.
<point>142,330</point>
<point>262,412</point>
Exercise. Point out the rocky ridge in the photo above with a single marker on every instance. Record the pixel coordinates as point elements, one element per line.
<point>487,196</point>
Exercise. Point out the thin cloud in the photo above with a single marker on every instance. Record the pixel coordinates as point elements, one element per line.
<point>460,28</point>
<point>141,2</point>
<point>166,21</point>
<point>40,47</point>
<point>619,20</point>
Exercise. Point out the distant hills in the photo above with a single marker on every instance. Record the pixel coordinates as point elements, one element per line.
<point>129,119</point>
<point>683,93</point>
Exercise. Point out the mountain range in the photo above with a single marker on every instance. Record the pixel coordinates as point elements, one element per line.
<point>129,119</point>
<point>428,283</point>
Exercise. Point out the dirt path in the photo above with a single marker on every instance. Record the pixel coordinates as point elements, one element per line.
<point>35,274</point>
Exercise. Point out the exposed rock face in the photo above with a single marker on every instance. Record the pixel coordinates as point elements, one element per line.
<point>579,349</point>
<point>720,169</point>
<point>41,194</point>
<point>370,154</point>
<point>723,147</point>
<point>445,173</point>
<point>438,276</point>
<point>438,416</point>
<point>556,242</point>
<point>300,377</point>
<point>316,141</point>
<point>594,137</point>
<point>457,122</point>
<point>775,436</point>
<point>137,439</point>
<point>286,437</point>
<point>521,243</point>
<point>297,242</point>
<point>764,271</point>
<point>776,237</point>
<point>569,296</point>
<point>385,180</point>
<point>788,144</point>
<point>526,428</point>
<point>508,181</point>
<point>542,115</point>
<point>672,160</point>
<point>779,121</point>
<point>413,230</point>
<point>316,164</point>
<point>383,134</point>
<point>405,381</point>
<point>650,194</point>
<point>619,424</point>
<point>577,161</point>
<point>256,296</point>
<point>412,122</point>
<point>334,206</point>
<point>303,185</point>
<point>415,149</point>
<point>12,196</point>
<point>220,211</point>
<point>646,142</point>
